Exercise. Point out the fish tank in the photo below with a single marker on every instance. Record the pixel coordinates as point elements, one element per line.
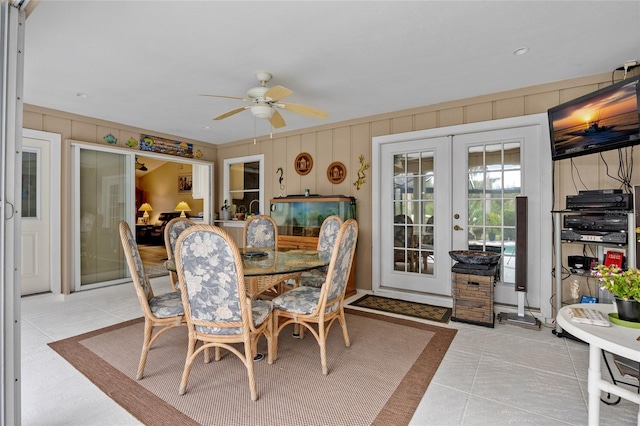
<point>302,216</point>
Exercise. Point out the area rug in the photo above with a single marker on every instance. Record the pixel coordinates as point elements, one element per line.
<point>379,380</point>
<point>401,307</point>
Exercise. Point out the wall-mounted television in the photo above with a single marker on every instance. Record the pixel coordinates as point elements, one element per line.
<point>600,121</point>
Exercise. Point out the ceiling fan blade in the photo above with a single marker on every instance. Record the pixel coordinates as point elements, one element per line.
<point>277,92</point>
<point>302,109</point>
<point>230,113</point>
<point>276,120</point>
<point>226,97</point>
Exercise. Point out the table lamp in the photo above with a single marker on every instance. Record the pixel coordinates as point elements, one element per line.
<point>146,208</point>
<point>183,207</point>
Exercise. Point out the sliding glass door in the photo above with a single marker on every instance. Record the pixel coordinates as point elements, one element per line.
<point>102,197</point>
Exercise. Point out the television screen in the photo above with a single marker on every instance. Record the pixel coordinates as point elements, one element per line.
<point>600,121</point>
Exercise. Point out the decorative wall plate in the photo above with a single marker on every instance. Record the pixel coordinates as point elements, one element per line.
<point>336,172</point>
<point>303,163</point>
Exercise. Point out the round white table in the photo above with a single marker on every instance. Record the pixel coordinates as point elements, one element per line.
<point>616,339</point>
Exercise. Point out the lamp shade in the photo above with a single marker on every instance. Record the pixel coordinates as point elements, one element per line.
<point>183,207</point>
<point>146,207</point>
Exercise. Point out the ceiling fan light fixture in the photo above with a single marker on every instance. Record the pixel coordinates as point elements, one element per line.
<point>262,111</point>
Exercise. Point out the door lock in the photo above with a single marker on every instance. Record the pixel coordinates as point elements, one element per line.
<point>457,228</point>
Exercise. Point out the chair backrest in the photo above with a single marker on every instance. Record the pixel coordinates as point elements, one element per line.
<point>209,267</point>
<point>328,234</point>
<point>172,231</point>
<point>260,231</point>
<point>340,265</point>
<point>134,261</point>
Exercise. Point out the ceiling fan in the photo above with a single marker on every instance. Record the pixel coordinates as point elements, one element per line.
<point>265,102</point>
<point>140,166</point>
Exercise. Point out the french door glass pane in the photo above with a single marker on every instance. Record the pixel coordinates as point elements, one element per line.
<point>413,206</point>
<point>494,180</point>
<point>102,207</point>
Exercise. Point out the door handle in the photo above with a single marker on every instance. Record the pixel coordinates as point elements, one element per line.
<point>457,228</point>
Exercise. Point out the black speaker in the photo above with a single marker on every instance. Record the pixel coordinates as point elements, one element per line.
<point>521,244</point>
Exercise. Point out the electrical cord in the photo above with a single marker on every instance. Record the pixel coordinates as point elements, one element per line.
<point>625,168</point>
<point>574,167</point>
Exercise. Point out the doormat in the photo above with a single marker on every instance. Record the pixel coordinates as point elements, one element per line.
<point>402,307</point>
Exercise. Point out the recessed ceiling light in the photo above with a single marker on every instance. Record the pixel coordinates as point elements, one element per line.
<point>82,95</point>
<point>521,51</point>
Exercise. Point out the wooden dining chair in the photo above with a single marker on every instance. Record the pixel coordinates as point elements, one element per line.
<point>326,242</point>
<point>171,233</point>
<point>260,231</point>
<point>165,311</point>
<point>322,306</point>
<point>219,312</point>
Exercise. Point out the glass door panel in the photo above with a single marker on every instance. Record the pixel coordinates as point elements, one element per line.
<point>414,258</point>
<point>493,181</point>
<point>104,198</point>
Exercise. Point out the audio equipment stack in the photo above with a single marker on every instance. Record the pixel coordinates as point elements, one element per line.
<point>604,218</point>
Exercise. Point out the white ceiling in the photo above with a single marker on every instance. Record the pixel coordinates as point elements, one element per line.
<point>144,63</point>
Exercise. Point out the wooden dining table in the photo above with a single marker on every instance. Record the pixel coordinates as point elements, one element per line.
<point>266,268</point>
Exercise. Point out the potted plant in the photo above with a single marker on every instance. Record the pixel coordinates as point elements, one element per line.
<point>624,285</point>
<point>226,211</point>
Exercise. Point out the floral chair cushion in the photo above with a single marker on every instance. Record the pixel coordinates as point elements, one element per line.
<point>301,300</point>
<point>138,263</point>
<point>343,262</point>
<point>211,280</point>
<point>176,228</point>
<point>314,278</point>
<point>326,242</point>
<point>260,233</point>
<point>328,234</point>
<point>167,305</point>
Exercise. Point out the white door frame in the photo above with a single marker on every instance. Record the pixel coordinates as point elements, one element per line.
<point>543,210</point>
<point>55,140</point>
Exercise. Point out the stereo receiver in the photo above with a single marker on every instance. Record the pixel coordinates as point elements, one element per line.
<point>597,222</point>
<point>599,200</point>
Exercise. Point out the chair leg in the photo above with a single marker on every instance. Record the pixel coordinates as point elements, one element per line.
<point>146,344</point>
<point>248,362</point>
<point>207,356</point>
<point>269,337</point>
<point>187,365</point>
<point>343,325</point>
<point>322,342</point>
<point>273,349</point>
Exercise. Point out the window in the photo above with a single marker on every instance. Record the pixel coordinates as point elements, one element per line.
<point>30,184</point>
<point>244,183</point>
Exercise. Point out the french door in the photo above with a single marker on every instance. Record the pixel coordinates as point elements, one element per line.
<point>415,181</point>
<point>457,192</point>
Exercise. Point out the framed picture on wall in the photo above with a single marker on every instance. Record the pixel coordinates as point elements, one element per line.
<point>185,183</point>
<point>303,163</point>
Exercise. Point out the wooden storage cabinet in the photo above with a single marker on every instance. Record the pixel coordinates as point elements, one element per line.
<point>299,219</point>
<point>473,299</point>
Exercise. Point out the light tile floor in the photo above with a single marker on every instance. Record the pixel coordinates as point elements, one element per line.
<point>505,375</point>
